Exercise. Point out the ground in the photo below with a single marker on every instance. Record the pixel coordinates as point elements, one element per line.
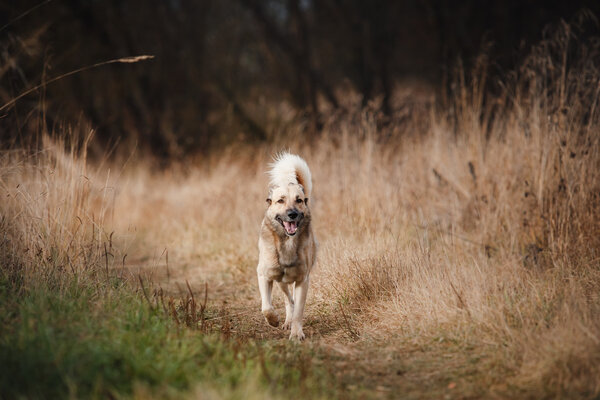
<point>366,367</point>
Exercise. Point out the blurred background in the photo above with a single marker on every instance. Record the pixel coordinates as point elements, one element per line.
<point>231,70</point>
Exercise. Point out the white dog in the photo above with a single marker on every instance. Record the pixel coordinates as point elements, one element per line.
<point>287,246</point>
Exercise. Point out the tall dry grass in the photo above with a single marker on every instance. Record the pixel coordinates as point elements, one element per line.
<point>55,213</point>
<point>478,226</point>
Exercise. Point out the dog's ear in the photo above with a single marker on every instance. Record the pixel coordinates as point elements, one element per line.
<point>269,200</point>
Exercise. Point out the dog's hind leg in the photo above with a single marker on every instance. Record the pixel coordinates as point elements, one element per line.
<point>289,304</point>
<point>300,299</point>
<point>266,287</point>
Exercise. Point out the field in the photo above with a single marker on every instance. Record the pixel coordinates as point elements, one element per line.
<point>458,256</point>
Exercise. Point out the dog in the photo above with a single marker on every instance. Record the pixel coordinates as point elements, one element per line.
<point>287,246</point>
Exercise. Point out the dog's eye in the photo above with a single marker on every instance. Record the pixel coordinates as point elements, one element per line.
<point>298,201</point>
<point>280,201</point>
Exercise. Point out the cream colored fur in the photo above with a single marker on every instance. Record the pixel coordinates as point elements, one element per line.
<point>287,254</point>
<point>290,168</point>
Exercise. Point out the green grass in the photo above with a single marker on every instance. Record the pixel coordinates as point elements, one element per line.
<point>89,340</point>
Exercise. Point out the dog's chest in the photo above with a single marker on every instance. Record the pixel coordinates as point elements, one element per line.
<point>290,268</point>
<point>287,254</point>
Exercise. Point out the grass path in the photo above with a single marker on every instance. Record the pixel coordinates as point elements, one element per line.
<point>364,367</point>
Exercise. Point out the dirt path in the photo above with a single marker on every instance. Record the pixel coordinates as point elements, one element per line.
<point>374,368</point>
<point>232,295</point>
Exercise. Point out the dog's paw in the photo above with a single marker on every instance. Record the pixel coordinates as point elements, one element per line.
<point>286,325</point>
<point>271,318</point>
<point>297,334</point>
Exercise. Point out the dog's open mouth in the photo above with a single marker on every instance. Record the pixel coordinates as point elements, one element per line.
<point>291,227</point>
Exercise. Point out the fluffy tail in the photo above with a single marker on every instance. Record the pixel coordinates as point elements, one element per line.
<point>290,168</point>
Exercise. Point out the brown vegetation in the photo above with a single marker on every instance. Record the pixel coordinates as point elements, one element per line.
<point>458,254</point>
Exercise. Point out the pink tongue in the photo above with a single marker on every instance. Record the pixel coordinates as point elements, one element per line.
<point>290,227</point>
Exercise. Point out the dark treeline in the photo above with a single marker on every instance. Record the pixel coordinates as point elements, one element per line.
<point>221,66</point>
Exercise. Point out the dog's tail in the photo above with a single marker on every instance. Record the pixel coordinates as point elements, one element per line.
<point>290,168</point>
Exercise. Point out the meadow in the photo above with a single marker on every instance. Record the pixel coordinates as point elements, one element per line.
<point>458,254</point>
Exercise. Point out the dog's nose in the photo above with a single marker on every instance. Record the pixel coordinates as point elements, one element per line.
<point>292,214</point>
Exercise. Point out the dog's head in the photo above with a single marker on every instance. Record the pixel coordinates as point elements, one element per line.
<point>288,210</point>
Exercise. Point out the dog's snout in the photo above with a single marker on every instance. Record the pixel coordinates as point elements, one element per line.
<point>292,214</point>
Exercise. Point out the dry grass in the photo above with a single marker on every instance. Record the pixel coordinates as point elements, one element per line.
<point>474,236</point>
<point>54,212</point>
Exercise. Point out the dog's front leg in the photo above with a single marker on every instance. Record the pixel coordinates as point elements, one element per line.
<point>299,299</point>
<point>289,304</point>
<point>265,286</point>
